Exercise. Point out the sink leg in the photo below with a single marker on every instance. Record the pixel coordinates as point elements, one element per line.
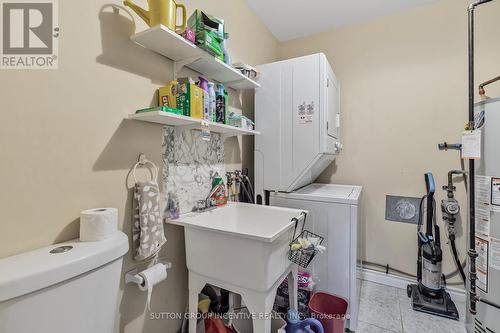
<point>195,287</point>
<point>260,305</point>
<point>292,287</point>
<point>193,310</point>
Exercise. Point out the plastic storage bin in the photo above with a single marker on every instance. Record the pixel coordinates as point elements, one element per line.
<point>330,310</point>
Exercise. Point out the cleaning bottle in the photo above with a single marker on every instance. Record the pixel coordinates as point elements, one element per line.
<point>206,98</point>
<point>211,104</point>
<point>223,45</point>
<point>218,197</point>
<point>220,105</point>
<point>226,106</point>
<point>172,209</point>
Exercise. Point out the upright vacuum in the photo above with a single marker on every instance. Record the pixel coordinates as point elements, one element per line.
<point>429,294</point>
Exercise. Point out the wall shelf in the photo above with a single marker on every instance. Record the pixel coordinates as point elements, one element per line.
<point>183,122</point>
<point>163,41</point>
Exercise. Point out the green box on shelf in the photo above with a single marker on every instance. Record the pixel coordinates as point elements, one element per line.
<point>207,40</point>
<point>209,31</point>
<point>160,108</point>
<point>199,21</point>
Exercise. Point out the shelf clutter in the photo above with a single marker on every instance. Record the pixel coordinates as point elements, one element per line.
<point>172,119</point>
<point>164,41</point>
<point>200,44</point>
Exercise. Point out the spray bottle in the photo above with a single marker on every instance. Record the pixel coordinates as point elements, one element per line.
<point>206,98</point>
<point>220,106</point>
<point>211,99</point>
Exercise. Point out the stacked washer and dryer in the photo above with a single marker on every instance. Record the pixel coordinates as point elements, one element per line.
<point>297,111</point>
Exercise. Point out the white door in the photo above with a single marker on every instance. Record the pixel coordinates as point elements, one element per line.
<point>300,129</point>
<point>332,104</point>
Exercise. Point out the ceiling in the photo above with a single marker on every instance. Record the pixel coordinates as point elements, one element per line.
<point>288,19</point>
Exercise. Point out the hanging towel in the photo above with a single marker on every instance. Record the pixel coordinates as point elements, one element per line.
<point>148,236</point>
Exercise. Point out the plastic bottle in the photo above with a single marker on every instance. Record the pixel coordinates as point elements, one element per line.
<point>227,57</point>
<point>172,209</point>
<point>226,106</point>
<point>220,104</point>
<point>211,104</point>
<point>219,196</point>
<point>206,98</point>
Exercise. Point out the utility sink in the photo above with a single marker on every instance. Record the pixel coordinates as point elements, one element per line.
<point>242,244</point>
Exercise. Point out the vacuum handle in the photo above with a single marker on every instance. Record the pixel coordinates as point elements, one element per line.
<point>430,184</point>
<point>431,189</point>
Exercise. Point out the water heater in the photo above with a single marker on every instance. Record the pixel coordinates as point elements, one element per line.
<point>487,173</point>
<point>297,113</point>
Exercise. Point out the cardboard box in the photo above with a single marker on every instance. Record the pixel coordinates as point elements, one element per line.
<point>190,99</point>
<point>167,95</point>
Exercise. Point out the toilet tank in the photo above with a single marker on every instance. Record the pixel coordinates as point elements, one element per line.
<point>69,287</point>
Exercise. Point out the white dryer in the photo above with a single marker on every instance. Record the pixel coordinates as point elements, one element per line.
<point>333,214</point>
<point>297,112</point>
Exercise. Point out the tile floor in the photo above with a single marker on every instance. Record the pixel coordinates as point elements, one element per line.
<point>386,309</point>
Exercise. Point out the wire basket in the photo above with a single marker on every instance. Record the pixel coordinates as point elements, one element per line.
<point>303,257</point>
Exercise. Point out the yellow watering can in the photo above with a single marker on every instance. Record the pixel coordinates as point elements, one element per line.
<point>160,12</point>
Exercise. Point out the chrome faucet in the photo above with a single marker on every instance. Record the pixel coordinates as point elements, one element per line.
<point>207,203</point>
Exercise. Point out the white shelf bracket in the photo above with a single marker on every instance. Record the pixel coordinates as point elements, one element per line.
<point>225,136</point>
<point>178,65</point>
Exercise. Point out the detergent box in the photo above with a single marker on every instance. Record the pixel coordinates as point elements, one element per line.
<point>167,96</point>
<point>189,98</point>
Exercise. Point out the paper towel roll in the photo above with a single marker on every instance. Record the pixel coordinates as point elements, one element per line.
<point>98,224</point>
<point>152,276</point>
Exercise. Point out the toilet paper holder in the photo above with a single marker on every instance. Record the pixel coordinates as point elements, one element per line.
<point>134,277</point>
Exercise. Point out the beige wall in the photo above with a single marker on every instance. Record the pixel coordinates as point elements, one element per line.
<point>65,145</point>
<point>403,90</point>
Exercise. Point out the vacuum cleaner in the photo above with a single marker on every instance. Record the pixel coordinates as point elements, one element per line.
<point>429,294</point>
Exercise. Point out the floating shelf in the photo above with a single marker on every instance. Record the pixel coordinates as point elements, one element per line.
<point>171,119</point>
<point>163,41</point>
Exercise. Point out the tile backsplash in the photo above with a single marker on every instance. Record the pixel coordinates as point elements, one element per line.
<point>189,163</point>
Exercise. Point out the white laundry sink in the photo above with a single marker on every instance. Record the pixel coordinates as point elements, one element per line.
<point>242,244</point>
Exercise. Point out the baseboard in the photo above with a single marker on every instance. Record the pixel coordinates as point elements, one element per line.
<point>457,294</point>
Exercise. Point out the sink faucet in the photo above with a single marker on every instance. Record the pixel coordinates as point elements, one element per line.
<point>206,203</point>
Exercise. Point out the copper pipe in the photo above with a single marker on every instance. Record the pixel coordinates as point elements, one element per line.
<point>482,92</point>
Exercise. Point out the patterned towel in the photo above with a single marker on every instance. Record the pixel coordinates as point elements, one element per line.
<point>148,236</point>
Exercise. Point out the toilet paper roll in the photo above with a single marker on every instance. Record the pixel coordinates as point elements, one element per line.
<point>98,224</point>
<point>152,276</point>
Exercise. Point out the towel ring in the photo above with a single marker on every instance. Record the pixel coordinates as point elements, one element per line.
<point>143,161</point>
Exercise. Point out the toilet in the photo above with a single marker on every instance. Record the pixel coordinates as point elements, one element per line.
<point>68,287</point>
